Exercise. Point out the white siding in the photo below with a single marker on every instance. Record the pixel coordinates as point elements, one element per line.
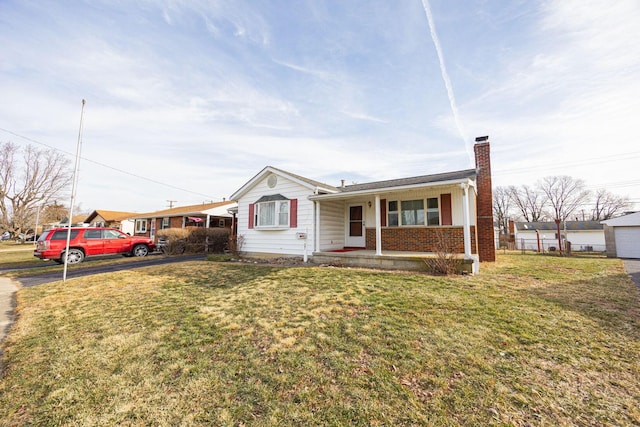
<point>332,223</point>
<point>281,241</point>
<point>592,240</point>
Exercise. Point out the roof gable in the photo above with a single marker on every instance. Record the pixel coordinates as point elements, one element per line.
<point>305,182</point>
<point>109,215</point>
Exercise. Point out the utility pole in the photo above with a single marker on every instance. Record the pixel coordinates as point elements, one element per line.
<point>171,202</point>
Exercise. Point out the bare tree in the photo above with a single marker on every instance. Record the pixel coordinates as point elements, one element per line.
<point>29,178</point>
<point>564,193</point>
<point>607,205</point>
<point>502,208</point>
<point>530,203</point>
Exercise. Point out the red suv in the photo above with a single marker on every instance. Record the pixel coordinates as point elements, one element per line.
<point>89,241</point>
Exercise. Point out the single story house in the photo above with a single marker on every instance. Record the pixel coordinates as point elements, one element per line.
<point>114,219</point>
<point>283,214</point>
<point>206,215</point>
<point>543,236</point>
<point>623,236</point>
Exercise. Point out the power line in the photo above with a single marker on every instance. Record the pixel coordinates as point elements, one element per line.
<point>602,159</point>
<point>208,196</point>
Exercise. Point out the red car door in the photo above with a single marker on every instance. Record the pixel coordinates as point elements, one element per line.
<point>93,242</point>
<point>116,242</point>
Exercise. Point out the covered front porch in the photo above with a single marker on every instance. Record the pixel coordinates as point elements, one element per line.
<point>389,260</point>
<point>396,225</point>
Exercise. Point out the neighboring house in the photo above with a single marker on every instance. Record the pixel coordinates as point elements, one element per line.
<point>284,214</point>
<point>78,221</point>
<point>623,236</point>
<point>113,219</point>
<point>206,215</point>
<point>543,236</point>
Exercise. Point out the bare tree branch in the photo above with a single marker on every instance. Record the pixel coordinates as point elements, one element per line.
<point>564,193</point>
<point>530,203</point>
<point>502,208</point>
<point>35,179</point>
<point>608,205</point>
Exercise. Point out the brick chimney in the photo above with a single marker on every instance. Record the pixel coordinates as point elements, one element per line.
<point>484,201</point>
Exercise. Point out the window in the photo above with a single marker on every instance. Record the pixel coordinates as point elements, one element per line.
<point>112,234</point>
<point>393,214</point>
<point>62,235</point>
<point>273,211</point>
<point>412,212</point>
<point>141,225</point>
<point>433,213</point>
<point>93,234</point>
<point>272,214</point>
<point>165,223</point>
<point>221,222</point>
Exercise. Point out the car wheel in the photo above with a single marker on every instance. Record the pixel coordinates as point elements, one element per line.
<point>140,250</point>
<point>75,256</point>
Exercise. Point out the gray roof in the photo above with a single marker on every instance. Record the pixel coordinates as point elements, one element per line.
<point>416,180</point>
<point>551,226</point>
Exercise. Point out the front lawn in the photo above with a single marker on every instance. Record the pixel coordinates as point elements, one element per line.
<point>532,340</point>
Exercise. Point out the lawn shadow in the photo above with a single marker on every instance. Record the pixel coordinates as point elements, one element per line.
<point>613,301</point>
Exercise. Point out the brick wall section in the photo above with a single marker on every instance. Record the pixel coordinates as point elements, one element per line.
<point>484,204</point>
<point>417,239</point>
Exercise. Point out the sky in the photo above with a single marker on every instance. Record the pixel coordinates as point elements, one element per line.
<point>188,100</point>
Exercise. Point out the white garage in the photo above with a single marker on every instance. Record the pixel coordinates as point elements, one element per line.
<point>622,236</point>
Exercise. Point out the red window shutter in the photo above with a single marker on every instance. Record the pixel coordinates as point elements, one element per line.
<point>445,209</point>
<point>383,212</point>
<point>251,214</point>
<point>293,212</point>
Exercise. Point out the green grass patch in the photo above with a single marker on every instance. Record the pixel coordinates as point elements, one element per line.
<point>531,341</point>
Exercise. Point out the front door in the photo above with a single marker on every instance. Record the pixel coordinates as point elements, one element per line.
<point>355,227</point>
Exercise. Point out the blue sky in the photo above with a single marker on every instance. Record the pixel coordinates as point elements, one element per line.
<point>202,95</point>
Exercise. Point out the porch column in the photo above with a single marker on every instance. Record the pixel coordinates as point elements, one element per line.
<point>378,227</point>
<point>467,228</point>
<point>316,241</point>
<point>208,219</point>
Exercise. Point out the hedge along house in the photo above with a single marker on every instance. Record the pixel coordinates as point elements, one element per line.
<point>388,224</point>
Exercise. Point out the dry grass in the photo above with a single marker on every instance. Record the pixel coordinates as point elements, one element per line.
<point>531,341</point>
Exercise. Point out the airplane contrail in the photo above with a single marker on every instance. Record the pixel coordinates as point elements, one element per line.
<point>447,81</point>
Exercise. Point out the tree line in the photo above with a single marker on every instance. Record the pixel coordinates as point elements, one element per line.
<point>553,198</point>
